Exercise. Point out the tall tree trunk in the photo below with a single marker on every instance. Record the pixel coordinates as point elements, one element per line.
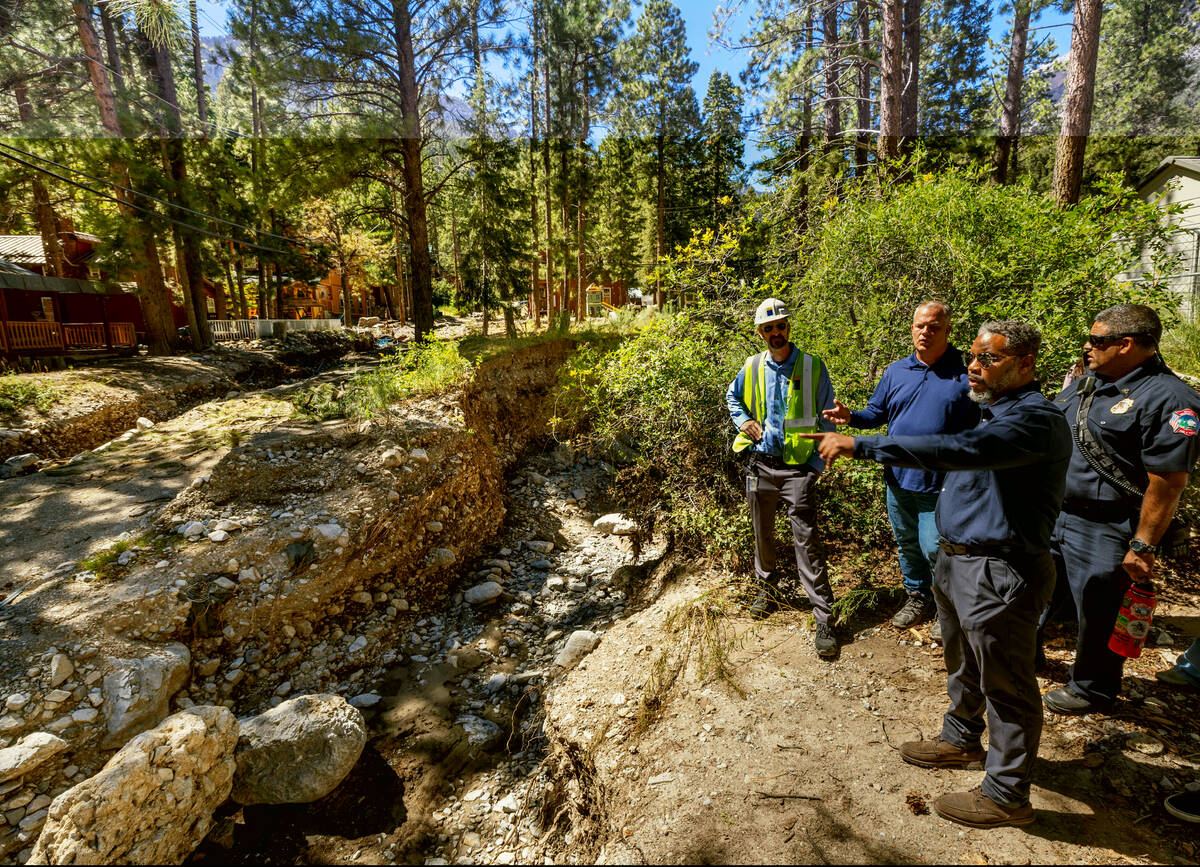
<point>191,275</point>
<point>1078,96</point>
<point>42,209</point>
<point>402,313</point>
<point>414,186</point>
<point>564,210</point>
<point>198,71</point>
<point>891,63</point>
<point>912,72</point>
<point>546,185</point>
<point>862,143</point>
<point>1010,116</point>
<point>659,195</point>
<point>231,290</point>
<point>535,265</point>
<point>155,298</point>
<point>110,44</point>
<point>240,271</point>
<point>806,126</point>
<point>832,67</point>
<point>580,205</point>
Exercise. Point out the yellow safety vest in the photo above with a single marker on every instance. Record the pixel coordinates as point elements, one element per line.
<point>801,404</point>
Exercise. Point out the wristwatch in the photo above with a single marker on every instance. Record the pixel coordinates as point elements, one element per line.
<point>1137,546</point>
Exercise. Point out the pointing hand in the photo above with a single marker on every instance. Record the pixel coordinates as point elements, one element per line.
<point>831,446</point>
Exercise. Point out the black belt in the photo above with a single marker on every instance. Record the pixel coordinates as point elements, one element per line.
<point>772,462</point>
<point>1101,511</point>
<point>981,550</point>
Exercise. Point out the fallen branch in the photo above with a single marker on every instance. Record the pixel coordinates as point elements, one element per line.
<point>788,795</point>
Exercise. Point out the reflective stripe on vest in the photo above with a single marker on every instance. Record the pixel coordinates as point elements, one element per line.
<point>801,414</point>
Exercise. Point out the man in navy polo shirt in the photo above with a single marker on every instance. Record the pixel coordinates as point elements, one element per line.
<point>926,393</point>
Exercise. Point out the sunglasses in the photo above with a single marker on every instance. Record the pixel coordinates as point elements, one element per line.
<point>773,326</point>
<point>986,359</point>
<point>1101,341</point>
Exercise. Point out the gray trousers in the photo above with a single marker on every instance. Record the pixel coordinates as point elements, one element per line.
<point>989,611</point>
<point>765,487</point>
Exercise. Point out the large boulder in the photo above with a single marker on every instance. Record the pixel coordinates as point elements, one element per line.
<point>137,692</point>
<point>154,800</point>
<point>298,751</point>
<point>27,753</point>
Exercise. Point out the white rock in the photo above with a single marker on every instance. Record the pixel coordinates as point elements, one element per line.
<point>480,732</point>
<point>85,715</point>
<point>137,692</point>
<point>193,528</point>
<point>16,701</point>
<point>357,644</point>
<point>616,524</point>
<point>442,557</point>
<point>58,696</point>
<point>227,525</point>
<point>328,532</point>
<point>580,643</point>
<point>218,536</point>
<point>10,723</point>
<point>29,752</point>
<point>554,582</point>
<point>661,778</point>
<point>507,804</point>
<point>540,546</point>
<point>154,800</point>
<point>481,594</point>
<point>144,423</point>
<point>365,700</point>
<point>495,682</point>
<point>224,583</point>
<point>419,455</point>
<point>392,458</point>
<point>299,751</point>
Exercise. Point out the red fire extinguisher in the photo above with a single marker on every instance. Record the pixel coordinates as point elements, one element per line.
<point>1133,622</point>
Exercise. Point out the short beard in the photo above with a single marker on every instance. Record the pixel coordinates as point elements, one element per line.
<point>1001,387</point>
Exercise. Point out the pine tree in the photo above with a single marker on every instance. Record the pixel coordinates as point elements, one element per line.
<point>1148,69</point>
<point>723,146</point>
<point>660,102</point>
<point>954,92</point>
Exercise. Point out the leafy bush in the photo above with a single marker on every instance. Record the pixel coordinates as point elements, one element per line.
<point>991,252</point>
<point>19,392</point>
<point>421,367</point>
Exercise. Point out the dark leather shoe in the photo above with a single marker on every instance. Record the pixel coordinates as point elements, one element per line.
<point>977,810</point>
<point>1067,701</point>
<point>941,754</point>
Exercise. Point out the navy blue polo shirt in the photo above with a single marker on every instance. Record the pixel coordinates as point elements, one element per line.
<point>1004,479</point>
<point>1148,420</point>
<point>913,398</point>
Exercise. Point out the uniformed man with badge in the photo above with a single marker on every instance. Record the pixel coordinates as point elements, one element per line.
<point>1135,428</point>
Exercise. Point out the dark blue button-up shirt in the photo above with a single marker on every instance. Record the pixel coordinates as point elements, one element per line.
<point>913,398</point>
<point>1148,420</point>
<point>1005,478</point>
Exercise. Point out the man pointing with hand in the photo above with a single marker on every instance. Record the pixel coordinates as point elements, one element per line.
<point>1004,485</point>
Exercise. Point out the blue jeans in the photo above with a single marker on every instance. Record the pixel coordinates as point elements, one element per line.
<point>1188,663</point>
<point>915,529</point>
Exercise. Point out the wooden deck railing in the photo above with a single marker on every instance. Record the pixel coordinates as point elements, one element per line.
<point>123,333</point>
<point>18,337</point>
<point>34,335</point>
<point>84,335</point>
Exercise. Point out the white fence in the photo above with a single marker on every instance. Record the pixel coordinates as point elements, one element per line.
<point>248,329</point>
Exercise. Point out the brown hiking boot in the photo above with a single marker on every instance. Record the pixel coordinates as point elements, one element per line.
<point>977,810</point>
<point>941,754</point>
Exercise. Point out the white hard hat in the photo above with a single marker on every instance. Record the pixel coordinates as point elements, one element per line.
<point>769,311</point>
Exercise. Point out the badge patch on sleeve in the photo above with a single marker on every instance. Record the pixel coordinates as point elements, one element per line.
<point>1185,421</point>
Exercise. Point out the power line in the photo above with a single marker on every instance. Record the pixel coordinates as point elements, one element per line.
<point>132,191</point>
<point>172,220</point>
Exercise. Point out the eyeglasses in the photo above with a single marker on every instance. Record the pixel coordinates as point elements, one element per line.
<point>986,359</point>
<point>1100,341</point>
<point>773,326</point>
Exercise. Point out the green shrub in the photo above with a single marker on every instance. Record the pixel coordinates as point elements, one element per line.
<point>20,392</point>
<point>427,366</point>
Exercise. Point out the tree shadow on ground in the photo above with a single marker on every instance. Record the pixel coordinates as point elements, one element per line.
<point>1134,824</point>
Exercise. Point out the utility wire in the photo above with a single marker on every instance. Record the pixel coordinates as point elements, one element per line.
<point>146,195</point>
<point>172,220</point>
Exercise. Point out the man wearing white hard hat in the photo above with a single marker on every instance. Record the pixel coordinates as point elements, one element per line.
<point>778,395</point>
